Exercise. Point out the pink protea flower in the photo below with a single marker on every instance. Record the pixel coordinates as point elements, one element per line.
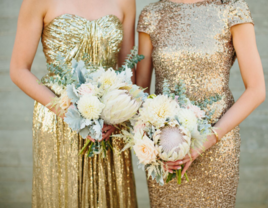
<point>197,111</point>
<point>175,143</point>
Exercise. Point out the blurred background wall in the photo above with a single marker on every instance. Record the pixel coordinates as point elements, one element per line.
<point>16,121</point>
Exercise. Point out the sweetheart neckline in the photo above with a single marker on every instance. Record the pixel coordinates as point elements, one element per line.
<point>75,15</point>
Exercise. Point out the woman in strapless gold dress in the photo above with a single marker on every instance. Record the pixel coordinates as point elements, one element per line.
<point>197,42</point>
<point>62,178</point>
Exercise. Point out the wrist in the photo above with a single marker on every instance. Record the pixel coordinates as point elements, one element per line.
<point>211,141</point>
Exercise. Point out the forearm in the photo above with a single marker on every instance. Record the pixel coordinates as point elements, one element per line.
<point>29,84</point>
<point>144,74</point>
<point>244,106</point>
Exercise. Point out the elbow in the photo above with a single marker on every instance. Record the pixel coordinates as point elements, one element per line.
<point>260,94</point>
<point>257,93</point>
<point>12,74</point>
<point>263,95</point>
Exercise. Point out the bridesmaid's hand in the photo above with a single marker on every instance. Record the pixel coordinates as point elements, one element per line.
<point>188,160</point>
<point>107,131</point>
<point>90,138</point>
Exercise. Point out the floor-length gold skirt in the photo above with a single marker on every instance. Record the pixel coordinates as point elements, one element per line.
<point>64,179</point>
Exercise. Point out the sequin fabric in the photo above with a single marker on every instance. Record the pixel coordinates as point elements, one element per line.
<point>62,178</point>
<point>193,43</point>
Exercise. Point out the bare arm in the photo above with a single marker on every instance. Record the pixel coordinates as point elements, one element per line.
<point>253,77</point>
<point>129,10</point>
<point>254,94</point>
<point>144,69</point>
<point>30,25</point>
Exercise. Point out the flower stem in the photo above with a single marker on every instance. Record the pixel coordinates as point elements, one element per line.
<point>110,145</point>
<point>89,149</point>
<point>186,176</point>
<point>178,173</point>
<point>104,148</point>
<point>85,146</point>
<point>169,177</point>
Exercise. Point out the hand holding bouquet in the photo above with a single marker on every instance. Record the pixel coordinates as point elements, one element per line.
<point>165,129</point>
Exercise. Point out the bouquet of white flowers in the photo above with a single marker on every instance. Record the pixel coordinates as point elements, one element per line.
<point>166,128</point>
<point>91,96</point>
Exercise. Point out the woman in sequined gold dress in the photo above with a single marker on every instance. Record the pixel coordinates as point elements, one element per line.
<point>198,41</point>
<point>62,178</point>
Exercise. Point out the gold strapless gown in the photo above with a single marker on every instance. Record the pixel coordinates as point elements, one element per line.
<point>193,42</point>
<point>62,178</point>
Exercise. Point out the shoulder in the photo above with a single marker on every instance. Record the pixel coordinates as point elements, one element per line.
<point>235,3</point>
<point>34,10</point>
<point>153,7</point>
<point>37,5</point>
<point>127,5</point>
<point>239,12</point>
<point>149,17</point>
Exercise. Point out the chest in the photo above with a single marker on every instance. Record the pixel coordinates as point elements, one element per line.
<point>201,29</point>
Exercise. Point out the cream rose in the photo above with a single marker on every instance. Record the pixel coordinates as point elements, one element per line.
<point>65,101</point>
<point>145,150</point>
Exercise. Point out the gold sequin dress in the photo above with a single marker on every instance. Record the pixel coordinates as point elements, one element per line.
<point>62,178</point>
<point>193,42</point>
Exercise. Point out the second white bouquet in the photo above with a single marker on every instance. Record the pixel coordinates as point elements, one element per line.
<point>166,128</point>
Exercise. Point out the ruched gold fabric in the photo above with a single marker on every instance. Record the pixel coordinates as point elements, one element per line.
<point>62,178</point>
<point>193,43</point>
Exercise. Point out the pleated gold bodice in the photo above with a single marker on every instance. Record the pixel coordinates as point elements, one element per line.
<point>61,177</point>
<point>73,37</point>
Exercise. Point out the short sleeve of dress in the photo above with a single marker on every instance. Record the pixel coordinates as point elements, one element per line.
<point>145,23</point>
<point>239,13</point>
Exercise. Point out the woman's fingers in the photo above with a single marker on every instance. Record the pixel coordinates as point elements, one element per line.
<point>166,169</point>
<point>88,137</point>
<point>186,160</point>
<point>106,128</point>
<point>174,167</point>
<point>187,165</point>
<point>179,162</point>
<point>106,136</point>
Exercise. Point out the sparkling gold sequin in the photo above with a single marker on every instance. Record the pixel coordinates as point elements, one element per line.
<point>193,42</point>
<point>62,178</point>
